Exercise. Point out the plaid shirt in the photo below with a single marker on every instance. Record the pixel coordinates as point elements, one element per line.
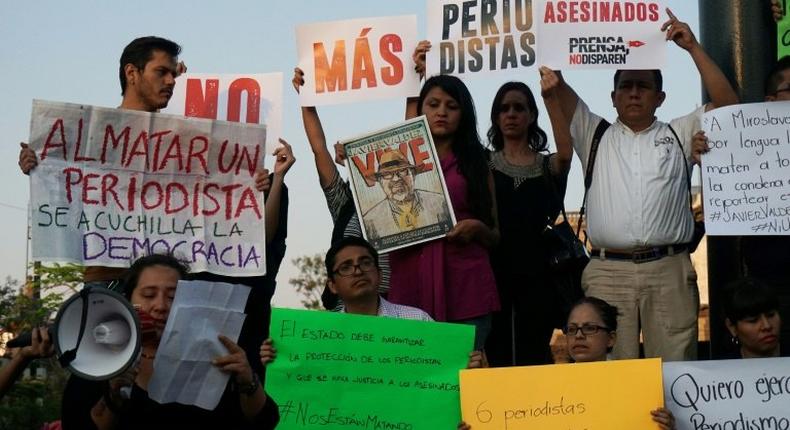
<point>387,309</point>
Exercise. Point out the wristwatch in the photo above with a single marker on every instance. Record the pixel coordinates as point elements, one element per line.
<point>250,388</point>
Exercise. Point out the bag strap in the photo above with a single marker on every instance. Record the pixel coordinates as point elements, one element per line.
<point>685,168</point>
<point>588,175</point>
<point>553,187</point>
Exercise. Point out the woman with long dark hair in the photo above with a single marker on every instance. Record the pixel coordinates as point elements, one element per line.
<point>451,278</point>
<point>530,187</point>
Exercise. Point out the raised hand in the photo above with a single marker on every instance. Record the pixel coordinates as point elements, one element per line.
<point>549,81</point>
<point>283,159</point>
<point>298,79</point>
<point>27,158</point>
<point>679,32</point>
<point>419,57</point>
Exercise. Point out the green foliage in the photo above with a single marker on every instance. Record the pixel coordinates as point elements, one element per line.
<point>311,280</point>
<point>32,402</point>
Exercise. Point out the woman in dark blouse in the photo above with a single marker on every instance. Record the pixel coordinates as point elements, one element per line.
<point>530,186</point>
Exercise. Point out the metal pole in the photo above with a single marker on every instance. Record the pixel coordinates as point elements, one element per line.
<point>740,36</point>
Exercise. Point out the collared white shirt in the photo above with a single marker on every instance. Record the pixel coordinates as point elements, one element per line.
<point>639,195</point>
<point>387,309</point>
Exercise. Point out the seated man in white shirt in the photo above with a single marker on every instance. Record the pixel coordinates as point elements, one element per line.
<point>639,220</point>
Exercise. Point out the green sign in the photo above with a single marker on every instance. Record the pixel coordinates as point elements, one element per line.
<point>783,32</point>
<point>336,371</point>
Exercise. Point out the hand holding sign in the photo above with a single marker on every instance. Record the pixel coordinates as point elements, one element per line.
<point>664,418</point>
<point>27,158</point>
<point>549,81</point>
<point>699,146</point>
<point>419,57</point>
<point>298,79</point>
<point>776,10</point>
<point>268,352</point>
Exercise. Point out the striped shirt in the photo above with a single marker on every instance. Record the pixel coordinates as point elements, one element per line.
<point>337,194</point>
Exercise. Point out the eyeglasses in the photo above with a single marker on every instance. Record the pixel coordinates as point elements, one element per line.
<point>347,269</point>
<point>587,329</point>
<point>402,173</point>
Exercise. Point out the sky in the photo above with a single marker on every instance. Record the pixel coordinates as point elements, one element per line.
<point>68,51</point>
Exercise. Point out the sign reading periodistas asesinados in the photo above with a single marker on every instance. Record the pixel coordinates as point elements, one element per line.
<point>114,184</point>
<point>252,99</point>
<point>601,34</point>
<point>357,60</point>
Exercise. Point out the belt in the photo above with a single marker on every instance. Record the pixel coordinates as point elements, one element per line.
<point>643,255</point>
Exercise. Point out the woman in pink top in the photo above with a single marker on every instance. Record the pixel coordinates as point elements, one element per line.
<point>451,278</point>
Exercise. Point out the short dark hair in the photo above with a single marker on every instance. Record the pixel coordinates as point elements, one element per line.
<point>657,78</point>
<point>775,77</point>
<point>132,275</point>
<point>607,312</point>
<point>139,52</point>
<point>748,297</point>
<point>331,255</point>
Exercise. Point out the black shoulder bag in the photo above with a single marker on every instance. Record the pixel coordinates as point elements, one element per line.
<point>567,255</point>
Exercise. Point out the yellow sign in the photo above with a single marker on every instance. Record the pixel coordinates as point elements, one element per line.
<point>607,395</point>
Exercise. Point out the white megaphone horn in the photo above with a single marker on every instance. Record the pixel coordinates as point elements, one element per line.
<point>97,334</point>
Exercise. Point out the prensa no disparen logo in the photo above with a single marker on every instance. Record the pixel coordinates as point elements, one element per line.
<point>600,49</point>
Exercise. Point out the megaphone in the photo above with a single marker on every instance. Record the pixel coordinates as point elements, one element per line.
<point>97,334</point>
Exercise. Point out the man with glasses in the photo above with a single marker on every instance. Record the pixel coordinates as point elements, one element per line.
<point>404,208</point>
<point>352,267</point>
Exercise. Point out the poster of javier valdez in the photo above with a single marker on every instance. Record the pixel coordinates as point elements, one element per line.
<point>398,186</point>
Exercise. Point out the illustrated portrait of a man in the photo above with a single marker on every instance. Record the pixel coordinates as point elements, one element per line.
<point>404,208</point>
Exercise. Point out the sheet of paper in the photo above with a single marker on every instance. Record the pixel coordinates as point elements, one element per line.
<point>201,311</point>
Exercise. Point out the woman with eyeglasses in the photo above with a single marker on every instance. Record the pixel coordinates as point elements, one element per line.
<point>752,318</point>
<point>591,332</point>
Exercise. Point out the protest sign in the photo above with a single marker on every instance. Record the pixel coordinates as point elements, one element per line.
<point>252,99</point>
<point>357,60</point>
<point>601,34</point>
<point>398,186</point>
<point>783,31</point>
<point>593,396</point>
<point>744,176</point>
<point>336,370</point>
<point>114,184</point>
<point>477,37</point>
<point>729,394</point>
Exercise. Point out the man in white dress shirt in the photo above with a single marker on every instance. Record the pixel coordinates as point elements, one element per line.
<point>638,216</point>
